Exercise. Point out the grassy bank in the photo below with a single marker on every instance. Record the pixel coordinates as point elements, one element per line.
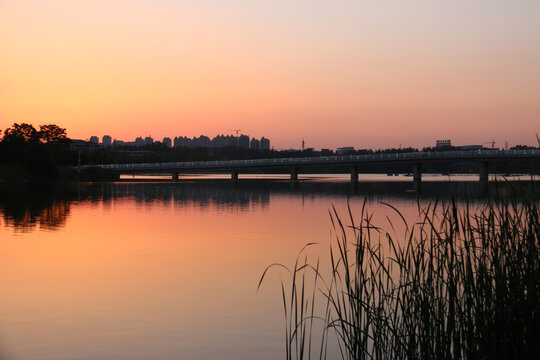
<point>459,283</point>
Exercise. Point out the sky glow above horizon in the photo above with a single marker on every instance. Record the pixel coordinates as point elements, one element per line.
<point>369,74</point>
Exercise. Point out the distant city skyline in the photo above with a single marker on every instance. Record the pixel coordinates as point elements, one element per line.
<point>173,142</point>
<point>240,140</point>
<point>348,73</point>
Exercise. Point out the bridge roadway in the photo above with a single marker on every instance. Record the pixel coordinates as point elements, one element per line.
<point>416,159</point>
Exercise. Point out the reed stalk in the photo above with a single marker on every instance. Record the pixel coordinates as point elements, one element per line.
<point>460,283</point>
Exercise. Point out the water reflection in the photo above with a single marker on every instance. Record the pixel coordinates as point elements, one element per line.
<point>148,270</point>
<point>25,207</point>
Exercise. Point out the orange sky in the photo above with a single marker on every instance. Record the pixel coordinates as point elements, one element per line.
<point>352,73</point>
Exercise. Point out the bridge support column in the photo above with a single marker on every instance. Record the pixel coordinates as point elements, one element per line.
<point>354,173</point>
<point>484,174</point>
<point>175,176</point>
<point>234,175</point>
<point>294,174</point>
<point>417,177</point>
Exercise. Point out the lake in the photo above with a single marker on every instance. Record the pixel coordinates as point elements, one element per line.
<point>161,270</point>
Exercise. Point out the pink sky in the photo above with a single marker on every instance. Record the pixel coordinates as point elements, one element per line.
<point>349,73</point>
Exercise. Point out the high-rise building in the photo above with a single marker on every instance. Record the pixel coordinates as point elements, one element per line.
<point>106,140</point>
<point>255,144</point>
<point>265,143</point>
<point>243,141</point>
<point>139,141</point>
<point>181,141</point>
<point>167,142</point>
<point>201,141</point>
<point>94,139</point>
<point>232,141</point>
<point>224,140</point>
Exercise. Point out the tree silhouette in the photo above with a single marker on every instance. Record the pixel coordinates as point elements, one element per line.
<point>26,133</point>
<point>21,133</point>
<point>52,134</point>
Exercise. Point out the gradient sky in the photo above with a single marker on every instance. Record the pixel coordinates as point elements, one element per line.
<point>337,73</point>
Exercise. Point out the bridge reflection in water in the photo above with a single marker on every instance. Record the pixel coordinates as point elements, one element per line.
<point>25,207</point>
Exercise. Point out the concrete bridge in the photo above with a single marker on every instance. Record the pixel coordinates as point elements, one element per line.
<point>484,158</point>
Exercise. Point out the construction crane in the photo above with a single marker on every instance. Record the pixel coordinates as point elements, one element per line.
<point>492,142</point>
<point>237,131</point>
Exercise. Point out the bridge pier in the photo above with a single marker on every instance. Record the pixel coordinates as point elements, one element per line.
<point>354,173</point>
<point>484,174</point>
<point>234,175</point>
<point>175,176</point>
<point>294,174</point>
<point>417,177</point>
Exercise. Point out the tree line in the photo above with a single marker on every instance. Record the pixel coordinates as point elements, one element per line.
<point>27,153</point>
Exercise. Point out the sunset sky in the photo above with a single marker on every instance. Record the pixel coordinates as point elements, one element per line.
<point>337,73</point>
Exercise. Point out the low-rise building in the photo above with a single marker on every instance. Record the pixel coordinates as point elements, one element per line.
<point>82,145</point>
<point>443,143</point>
<point>345,150</point>
<point>469,147</point>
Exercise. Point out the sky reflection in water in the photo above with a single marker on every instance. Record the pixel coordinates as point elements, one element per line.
<point>142,270</point>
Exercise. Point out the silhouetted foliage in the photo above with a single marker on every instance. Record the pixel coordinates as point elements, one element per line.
<point>21,133</point>
<point>523,147</point>
<point>53,134</point>
<point>27,133</point>
<point>37,153</point>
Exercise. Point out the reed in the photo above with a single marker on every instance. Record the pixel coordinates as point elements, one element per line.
<point>459,283</point>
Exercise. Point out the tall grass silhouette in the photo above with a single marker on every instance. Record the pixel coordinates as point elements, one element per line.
<point>458,283</point>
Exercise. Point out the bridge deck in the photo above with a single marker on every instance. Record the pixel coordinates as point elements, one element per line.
<point>352,160</point>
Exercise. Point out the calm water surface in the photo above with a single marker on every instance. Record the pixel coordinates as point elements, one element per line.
<point>161,270</point>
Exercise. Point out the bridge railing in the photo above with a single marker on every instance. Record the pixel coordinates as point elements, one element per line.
<point>465,154</point>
